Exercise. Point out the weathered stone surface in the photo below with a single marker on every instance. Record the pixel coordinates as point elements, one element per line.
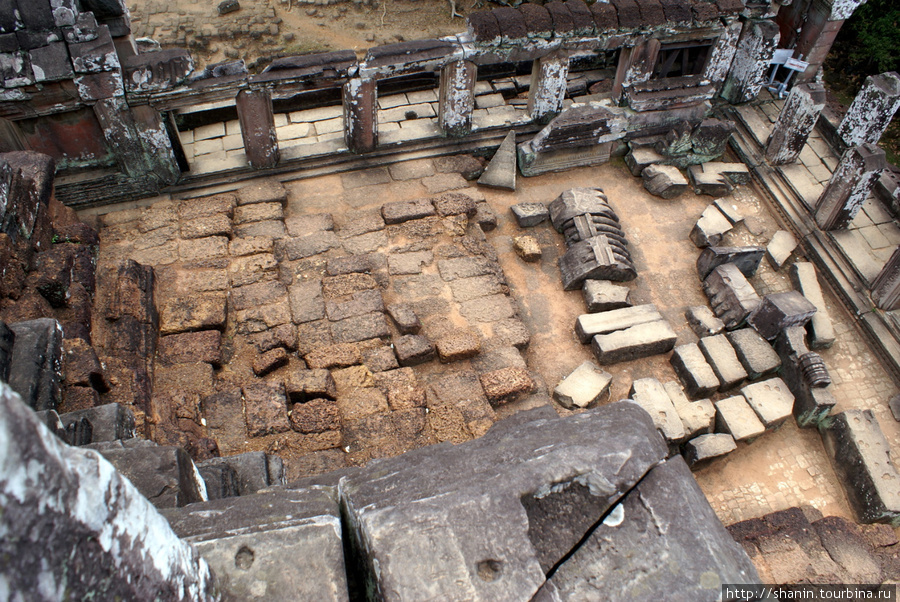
<point>464,267</point>
<point>265,409</point>
<point>339,355</point>
<point>492,308</point>
<point>735,417</point>
<point>262,191</point>
<point>493,538</point>
<point>703,321</point>
<point>723,360</point>
<point>642,340</point>
<point>747,259</point>
<point>528,248</point>
<point>771,400</point>
<point>621,557</point>
<point>755,353</point>
<point>220,480</point>
<point>501,171</point>
<point>530,214</point>
<point>710,183</point>
<point>731,296</point>
<point>650,394</point>
<point>7,339</point>
<point>346,284</point>
<point>601,295</point>
<point>780,248</point>
<point>710,228</point>
<point>820,328</point>
<point>301,247</point>
<point>36,362</point>
<point>702,449</point>
<point>409,263</point>
<point>403,211</point>
<point>795,123</point>
<point>164,474</point>
<point>779,311</point>
<point>861,458</point>
<point>98,534</point>
<point>850,185</point>
<point>413,349</point>
<point>361,328</point>
<point>316,416</point>
<point>697,417</point>
<point>204,311</point>
<point>588,325</point>
<point>357,304</point>
<point>454,203</point>
<point>190,347</point>
<point>404,318</point>
<point>506,384</point>
<point>583,387</point>
<point>253,470</point>
<point>872,110</point>
<point>306,385</point>
<point>664,181</point>
<point>270,361</point>
<point>401,388</point>
<point>460,344</point>
<point>252,544</point>
<point>109,422</point>
<point>601,257</point>
<point>81,366</point>
<point>691,367</point>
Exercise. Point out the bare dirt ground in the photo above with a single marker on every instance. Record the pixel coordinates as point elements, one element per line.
<point>263,29</point>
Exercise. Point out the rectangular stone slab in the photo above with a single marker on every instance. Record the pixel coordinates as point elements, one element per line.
<point>771,400</point>
<point>723,360</point>
<point>698,417</point>
<point>650,394</point>
<point>691,367</point>
<point>820,328</point>
<point>755,353</point>
<point>861,458</point>
<point>588,325</point>
<point>735,417</point>
<point>622,558</point>
<point>642,340</point>
<point>480,520</point>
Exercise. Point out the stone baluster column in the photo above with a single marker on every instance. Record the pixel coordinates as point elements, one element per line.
<point>755,49</point>
<point>723,54</point>
<point>361,114</point>
<point>457,97</point>
<point>849,186</point>
<point>549,75</point>
<point>795,123</point>
<point>872,110</point>
<point>886,288</point>
<point>257,120</point>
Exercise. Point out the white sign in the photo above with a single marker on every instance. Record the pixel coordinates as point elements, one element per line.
<point>781,56</point>
<point>796,65</point>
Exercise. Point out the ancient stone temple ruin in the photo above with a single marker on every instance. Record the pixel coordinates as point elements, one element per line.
<point>528,312</point>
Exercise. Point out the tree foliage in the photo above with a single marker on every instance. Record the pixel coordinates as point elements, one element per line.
<point>870,39</point>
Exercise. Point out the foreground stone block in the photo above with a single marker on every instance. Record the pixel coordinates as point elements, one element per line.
<point>252,470</point>
<point>710,228</point>
<point>528,248</point>
<point>583,387</point>
<point>771,400</point>
<point>735,417</point>
<point>704,448</point>
<point>600,257</point>
<point>650,394</point>
<point>703,321</point>
<point>861,458</point>
<point>633,343</point>
<point>601,295</point>
<point>253,543</point>
<point>664,181</point>
<point>413,518</point>
<point>265,410</point>
<point>780,248</point>
<point>621,558</point>
<point>506,384</point>
<point>755,353</point>
<point>83,524</point>
<point>698,417</point>
<point>691,367</point>
<point>36,361</point>
<point>779,311</point>
<point>501,171</point>
<point>732,298</point>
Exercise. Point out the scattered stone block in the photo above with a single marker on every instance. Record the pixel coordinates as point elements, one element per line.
<point>703,321</point>
<point>755,353</point>
<point>404,318</point>
<point>709,183</point>
<point>506,384</point>
<point>861,456</point>
<point>710,228</point>
<point>583,387</point>
<point>270,361</point>
<point>639,158</point>
<point>220,481</point>
<point>779,311</point>
<point>642,340</point>
<point>664,181</point>
<point>700,450</point>
<point>698,417</point>
<point>780,248</point>
<point>460,344</point>
<point>413,349</point>
<point>527,247</point>
<point>731,296</point>
<point>736,173</point>
<point>650,394</point>
<point>403,211</point>
<point>315,416</point>
<point>265,410</point>
<point>109,422</point>
<point>501,170</point>
<point>691,367</point>
<point>723,360</point>
<point>306,385</point>
<point>735,417</point>
<point>485,216</point>
<point>771,400</point>
<point>228,6</point>
<point>588,325</point>
<point>820,327</point>
<point>253,470</point>
<point>602,295</point>
<point>530,214</point>
<point>599,257</point>
<point>747,259</point>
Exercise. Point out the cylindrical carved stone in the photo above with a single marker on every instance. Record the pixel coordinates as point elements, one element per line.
<point>361,114</point>
<point>257,120</point>
<point>814,370</point>
<point>795,123</point>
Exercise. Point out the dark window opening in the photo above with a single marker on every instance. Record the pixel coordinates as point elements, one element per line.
<point>677,60</point>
